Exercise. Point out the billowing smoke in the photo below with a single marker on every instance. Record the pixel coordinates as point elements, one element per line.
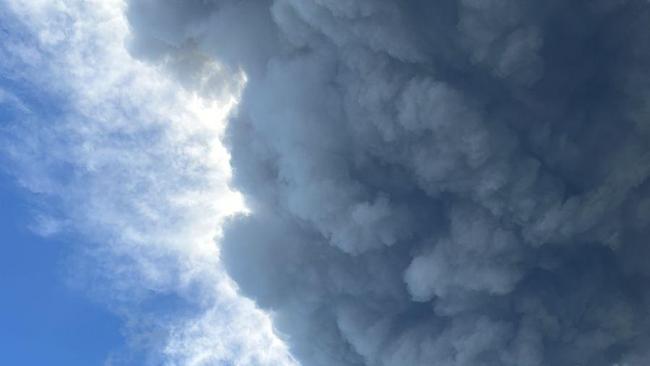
<point>448,182</point>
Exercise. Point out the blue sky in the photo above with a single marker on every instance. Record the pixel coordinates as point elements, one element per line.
<point>44,321</point>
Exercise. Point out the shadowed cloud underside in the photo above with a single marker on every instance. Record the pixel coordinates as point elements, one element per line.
<point>453,183</point>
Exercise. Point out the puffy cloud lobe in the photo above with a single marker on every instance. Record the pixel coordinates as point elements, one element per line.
<point>437,182</point>
<point>478,256</point>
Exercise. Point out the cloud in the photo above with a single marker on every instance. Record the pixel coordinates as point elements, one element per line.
<point>434,182</point>
<point>122,158</point>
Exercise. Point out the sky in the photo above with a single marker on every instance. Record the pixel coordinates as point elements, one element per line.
<point>39,311</point>
<point>325,182</point>
<point>114,187</point>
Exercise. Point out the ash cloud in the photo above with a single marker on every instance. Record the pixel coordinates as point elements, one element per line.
<point>434,182</point>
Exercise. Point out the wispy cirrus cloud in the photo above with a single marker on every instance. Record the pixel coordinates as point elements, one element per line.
<point>128,161</point>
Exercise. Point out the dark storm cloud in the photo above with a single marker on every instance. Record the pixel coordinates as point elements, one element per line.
<point>435,182</point>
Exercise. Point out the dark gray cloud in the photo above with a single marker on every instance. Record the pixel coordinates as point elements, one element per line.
<point>450,182</point>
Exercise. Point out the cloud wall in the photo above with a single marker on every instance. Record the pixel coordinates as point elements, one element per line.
<point>434,182</point>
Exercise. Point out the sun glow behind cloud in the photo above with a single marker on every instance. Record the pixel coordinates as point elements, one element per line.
<point>141,176</point>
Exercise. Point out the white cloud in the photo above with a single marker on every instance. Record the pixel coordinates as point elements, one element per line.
<point>134,164</point>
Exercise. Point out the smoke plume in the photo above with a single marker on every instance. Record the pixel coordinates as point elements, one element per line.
<point>449,182</point>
